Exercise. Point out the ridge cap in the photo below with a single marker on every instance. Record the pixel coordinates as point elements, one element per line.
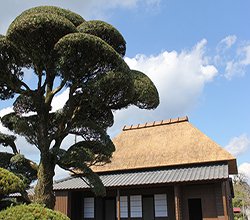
<point>155,123</point>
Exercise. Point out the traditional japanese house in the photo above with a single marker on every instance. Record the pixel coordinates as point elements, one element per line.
<point>159,171</point>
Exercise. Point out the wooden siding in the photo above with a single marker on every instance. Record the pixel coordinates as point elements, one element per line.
<point>219,202</point>
<point>77,201</point>
<point>215,198</point>
<point>63,202</point>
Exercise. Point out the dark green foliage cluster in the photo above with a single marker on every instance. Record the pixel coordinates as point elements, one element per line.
<point>144,91</point>
<point>86,57</point>
<point>8,141</point>
<point>11,64</point>
<point>25,126</point>
<point>46,28</point>
<point>31,212</point>
<point>25,169</point>
<point>71,16</point>
<point>83,55</point>
<point>5,159</point>
<point>15,162</point>
<point>106,32</point>
<point>9,182</point>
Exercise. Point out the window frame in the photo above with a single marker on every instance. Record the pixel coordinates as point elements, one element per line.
<point>124,207</point>
<point>139,202</point>
<point>92,207</point>
<point>163,203</point>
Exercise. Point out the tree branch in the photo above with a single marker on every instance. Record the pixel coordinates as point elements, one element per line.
<point>17,86</point>
<point>8,140</point>
<point>58,89</point>
<point>77,174</point>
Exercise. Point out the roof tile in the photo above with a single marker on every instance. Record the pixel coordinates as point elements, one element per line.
<point>167,175</point>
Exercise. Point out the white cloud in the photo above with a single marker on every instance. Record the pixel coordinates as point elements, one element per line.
<point>179,78</point>
<point>94,9</point>
<point>237,65</point>
<point>226,43</point>
<point>59,100</point>
<point>5,111</point>
<point>236,62</point>
<point>234,69</point>
<point>238,145</point>
<point>235,59</point>
<point>244,168</point>
<point>245,52</point>
<point>125,4</point>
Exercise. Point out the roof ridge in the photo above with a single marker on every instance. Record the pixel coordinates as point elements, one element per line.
<point>155,123</point>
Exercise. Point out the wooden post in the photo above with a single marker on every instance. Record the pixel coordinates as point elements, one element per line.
<point>118,205</point>
<point>177,202</point>
<point>224,199</point>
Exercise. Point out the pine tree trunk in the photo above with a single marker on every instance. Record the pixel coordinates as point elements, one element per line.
<point>44,188</point>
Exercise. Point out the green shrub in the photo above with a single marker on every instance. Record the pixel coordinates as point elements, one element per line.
<point>31,212</point>
<point>9,182</point>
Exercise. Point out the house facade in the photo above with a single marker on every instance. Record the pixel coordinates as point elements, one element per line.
<point>159,171</point>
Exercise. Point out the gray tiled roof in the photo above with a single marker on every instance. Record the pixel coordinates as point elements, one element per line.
<point>168,175</point>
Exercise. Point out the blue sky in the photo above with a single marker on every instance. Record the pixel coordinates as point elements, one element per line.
<point>196,52</point>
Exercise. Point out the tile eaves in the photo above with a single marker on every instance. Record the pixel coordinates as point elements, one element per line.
<point>169,175</point>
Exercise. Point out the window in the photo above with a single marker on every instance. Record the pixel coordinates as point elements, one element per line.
<point>161,205</point>
<point>89,207</point>
<point>123,207</point>
<point>135,206</point>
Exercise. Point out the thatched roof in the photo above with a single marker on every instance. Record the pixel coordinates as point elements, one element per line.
<point>165,143</point>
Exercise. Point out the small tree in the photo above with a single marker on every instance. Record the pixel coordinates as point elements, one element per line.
<point>241,195</point>
<point>65,51</point>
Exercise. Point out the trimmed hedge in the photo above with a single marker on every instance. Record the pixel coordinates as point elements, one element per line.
<point>9,182</point>
<point>31,212</point>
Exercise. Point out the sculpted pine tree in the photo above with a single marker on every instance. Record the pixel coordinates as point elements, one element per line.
<point>65,51</point>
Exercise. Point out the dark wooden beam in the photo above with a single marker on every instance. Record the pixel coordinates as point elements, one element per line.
<point>177,202</point>
<point>118,205</point>
<point>224,199</point>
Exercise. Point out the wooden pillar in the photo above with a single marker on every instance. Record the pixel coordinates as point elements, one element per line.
<point>69,204</point>
<point>118,204</point>
<point>224,200</point>
<point>177,202</point>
